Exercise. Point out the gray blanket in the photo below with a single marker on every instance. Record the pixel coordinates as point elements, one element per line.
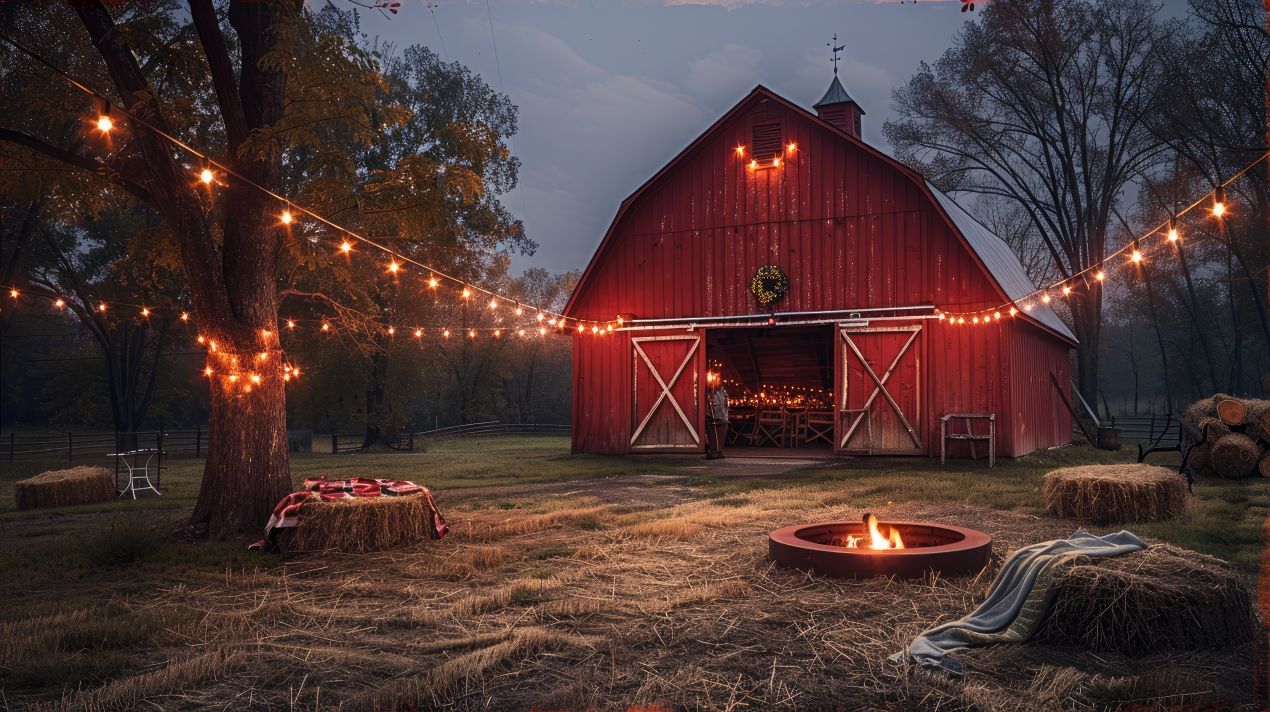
<point>1017,603</point>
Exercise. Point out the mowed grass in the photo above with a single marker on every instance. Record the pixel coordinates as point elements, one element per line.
<point>119,594</point>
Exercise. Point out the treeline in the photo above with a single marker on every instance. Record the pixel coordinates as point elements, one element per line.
<point>1075,127</point>
<point>403,147</point>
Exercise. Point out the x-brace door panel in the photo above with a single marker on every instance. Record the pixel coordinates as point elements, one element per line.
<point>879,402</point>
<point>666,399</point>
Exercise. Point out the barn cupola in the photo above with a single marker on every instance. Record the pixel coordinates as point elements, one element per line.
<point>836,106</point>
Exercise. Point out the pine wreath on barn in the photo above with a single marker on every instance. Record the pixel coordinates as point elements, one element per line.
<point>770,285</point>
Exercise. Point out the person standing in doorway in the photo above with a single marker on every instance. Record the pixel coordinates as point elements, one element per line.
<point>716,416</point>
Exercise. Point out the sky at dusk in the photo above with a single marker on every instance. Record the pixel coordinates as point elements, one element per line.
<point>609,90</point>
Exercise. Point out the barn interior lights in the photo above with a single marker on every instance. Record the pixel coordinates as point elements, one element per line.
<point>206,176</point>
<point>346,247</point>
<point>104,123</point>
<point>285,218</point>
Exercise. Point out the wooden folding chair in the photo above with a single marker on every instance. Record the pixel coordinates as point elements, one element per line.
<point>769,427</point>
<point>818,427</point>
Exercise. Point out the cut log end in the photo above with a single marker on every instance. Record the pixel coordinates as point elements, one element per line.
<point>1232,411</point>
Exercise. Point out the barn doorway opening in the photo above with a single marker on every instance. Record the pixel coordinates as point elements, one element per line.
<point>780,382</point>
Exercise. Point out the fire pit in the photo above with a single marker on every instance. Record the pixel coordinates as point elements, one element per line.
<point>873,548</point>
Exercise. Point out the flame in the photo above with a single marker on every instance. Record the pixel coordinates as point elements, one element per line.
<point>876,539</point>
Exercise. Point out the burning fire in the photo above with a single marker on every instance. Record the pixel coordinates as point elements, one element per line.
<point>876,539</point>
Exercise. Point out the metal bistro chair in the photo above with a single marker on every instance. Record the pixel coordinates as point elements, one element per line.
<point>138,464</point>
<point>769,427</point>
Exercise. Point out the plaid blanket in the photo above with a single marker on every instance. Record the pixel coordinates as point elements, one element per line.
<point>287,513</point>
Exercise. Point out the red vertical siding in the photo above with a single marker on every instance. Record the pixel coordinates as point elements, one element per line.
<point>851,229</point>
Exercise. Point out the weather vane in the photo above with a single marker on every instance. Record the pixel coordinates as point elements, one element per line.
<point>836,49</point>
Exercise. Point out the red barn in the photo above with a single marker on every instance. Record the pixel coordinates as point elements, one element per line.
<point>859,354</point>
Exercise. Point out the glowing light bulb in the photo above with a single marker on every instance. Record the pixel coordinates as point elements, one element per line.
<point>418,333</point>
<point>493,303</point>
<point>471,333</point>
<point>1219,208</point>
<point>13,294</point>
<point>206,176</point>
<point>740,150</point>
<point>207,371</point>
<point>101,307</point>
<point>104,124</point>
<point>961,320</point>
<point>392,331</point>
<point>519,311</point>
<point>975,320</point>
<point>1135,256</point>
<point>520,332</point>
<point>595,329</point>
<point>145,311</point>
<point>393,267</point>
<point>1013,311</point>
<point>290,324</point>
<point>1067,291</point>
<point>59,303</point>
<point>265,333</point>
<point>791,147</point>
<point>542,331</point>
<point>1100,275</point>
<point>776,162</point>
<point>233,378</point>
<point>551,321</point>
<point>201,340</point>
<point>262,356</point>
<point>467,293</point>
<point>996,315</point>
<point>185,316</point>
<point>445,334</point>
<point>498,333</point>
<point>255,378</point>
<point>1173,234</point>
<point>326,326</point>
<point>286,217</point>
<point>581,328</point>
<point>433,282</point>
<point>753,165</point>
<point>1045,298</point>
<point>346,247</point>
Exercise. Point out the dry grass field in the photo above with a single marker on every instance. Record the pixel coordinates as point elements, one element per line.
<point>568,583</point>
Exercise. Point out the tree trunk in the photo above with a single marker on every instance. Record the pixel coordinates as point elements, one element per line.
<point>1087,323</point>
<point>247,468</point>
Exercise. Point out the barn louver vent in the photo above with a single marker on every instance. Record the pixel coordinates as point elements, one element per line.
<point>765,139</point>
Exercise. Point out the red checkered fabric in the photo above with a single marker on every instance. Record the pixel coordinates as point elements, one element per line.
<point>287,513</point>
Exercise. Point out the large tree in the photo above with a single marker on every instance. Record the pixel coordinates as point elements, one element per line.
<point>1045,104</point>
<point>244,81</point>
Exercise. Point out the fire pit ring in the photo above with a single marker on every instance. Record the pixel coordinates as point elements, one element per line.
<point>948,550</point>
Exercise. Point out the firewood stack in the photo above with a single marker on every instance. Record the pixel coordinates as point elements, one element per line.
<point>1236,437</point>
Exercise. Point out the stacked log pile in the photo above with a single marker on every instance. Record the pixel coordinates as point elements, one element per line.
<point>1235,437</point>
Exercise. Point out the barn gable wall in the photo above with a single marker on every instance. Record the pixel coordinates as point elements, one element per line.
<point>851,229</point>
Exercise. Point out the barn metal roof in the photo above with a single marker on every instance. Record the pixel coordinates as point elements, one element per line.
<point>1000,261</point>
<point>836,94</point>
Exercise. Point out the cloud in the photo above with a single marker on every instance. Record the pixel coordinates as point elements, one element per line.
<point>724,74</point>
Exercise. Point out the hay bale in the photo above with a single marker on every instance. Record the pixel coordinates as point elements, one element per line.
<point>64,488</point>
<point>359,524</point>
<point>1115,494</point>
<point>1258,421</point>
<point>1200,460</point>
<point>1212,429</point>
<point>1200,409</point>
<point>1160,599</point>
<point>1235,455</point>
